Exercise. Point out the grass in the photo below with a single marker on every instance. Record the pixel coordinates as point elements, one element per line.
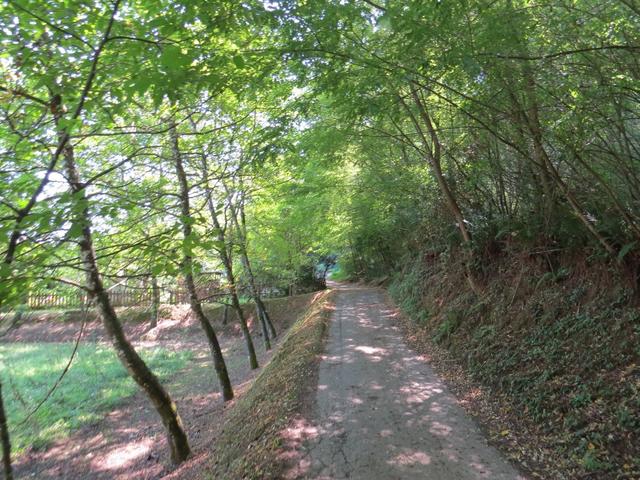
<point>95,384</point>
<point>250,441</point>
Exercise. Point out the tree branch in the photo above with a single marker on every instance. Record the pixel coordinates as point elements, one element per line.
<point>561,54</point>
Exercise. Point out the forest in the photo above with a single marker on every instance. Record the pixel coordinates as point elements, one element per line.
<point>181,179</point>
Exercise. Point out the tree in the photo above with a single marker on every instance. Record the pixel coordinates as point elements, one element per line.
<point>196,307</point>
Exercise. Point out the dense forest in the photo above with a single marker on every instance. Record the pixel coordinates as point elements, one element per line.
<point>481,159</point>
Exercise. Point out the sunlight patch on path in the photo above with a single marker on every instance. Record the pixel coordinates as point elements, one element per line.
<point>381,413</point>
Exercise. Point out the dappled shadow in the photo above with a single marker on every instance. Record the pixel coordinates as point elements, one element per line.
<point>380,411</point>
<point>129,441</point>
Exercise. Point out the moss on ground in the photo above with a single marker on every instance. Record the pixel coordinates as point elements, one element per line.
<point>250,441</point>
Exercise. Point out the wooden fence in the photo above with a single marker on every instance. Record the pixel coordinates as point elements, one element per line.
<point>119,298</point>
<point>138,297</point>
<point>44,300</point>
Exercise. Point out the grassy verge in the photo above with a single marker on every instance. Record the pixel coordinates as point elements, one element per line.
<point>552,359</point>
<point>250,441</point>
<point>95,383</point>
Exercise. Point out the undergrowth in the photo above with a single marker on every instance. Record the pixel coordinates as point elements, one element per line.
<point>559,350</point>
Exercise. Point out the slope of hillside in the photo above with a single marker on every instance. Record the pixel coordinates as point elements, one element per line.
<point>548,359</point>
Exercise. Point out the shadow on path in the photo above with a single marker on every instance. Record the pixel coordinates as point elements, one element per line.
<point>380,412</point>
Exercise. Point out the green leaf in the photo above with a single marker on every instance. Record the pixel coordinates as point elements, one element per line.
<point>173,59</point>
<point>142,84</point>
<point>158,269</point>
<point>625,250</point>
<point>68,124</point>
<point>238,60</point>
<point>76,230</point>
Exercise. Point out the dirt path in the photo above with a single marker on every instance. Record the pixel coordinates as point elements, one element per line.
<point>381,413</point>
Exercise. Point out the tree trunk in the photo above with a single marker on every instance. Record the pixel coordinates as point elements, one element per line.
<point>241,228</point>
<point>5,438</point>
<point>540,175</point>
<point>549,173</point>
<point>196,307</point>
<point>216,352</point>
<point>224,252</point>
<point>225,258</point>
<point>63,140</point>
<point>434,158</point>
<point>155,307</point>
<point>134,364</point>
<point>433,153</point>
<point>6,442</point>
<point>235,301</point>
<point>265,331</point>
<point>535,128</point>
<point>225,314</point>
<point>539,152</point>
<point>263,315</point>
<point>622,210</point>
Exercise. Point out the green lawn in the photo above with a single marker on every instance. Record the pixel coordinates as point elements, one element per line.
<point>95,383</point>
